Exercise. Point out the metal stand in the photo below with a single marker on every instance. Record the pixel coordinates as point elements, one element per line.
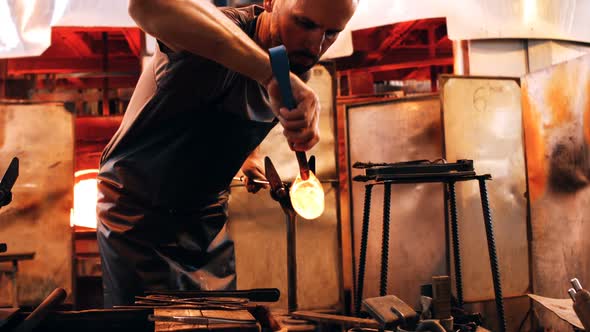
<point>363,259</point>
<point>291,219</point>
<point>455,240</point>
<point>387,178</point>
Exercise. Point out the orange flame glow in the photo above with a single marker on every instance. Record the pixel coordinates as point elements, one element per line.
<point>85,193</point>
<point>307,197</point>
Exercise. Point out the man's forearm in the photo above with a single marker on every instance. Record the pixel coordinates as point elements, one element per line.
<point>256,153</point>
<point>200,28</point>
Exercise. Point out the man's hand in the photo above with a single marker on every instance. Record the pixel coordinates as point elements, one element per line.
<point>253,170</point>
<point>301,125</point>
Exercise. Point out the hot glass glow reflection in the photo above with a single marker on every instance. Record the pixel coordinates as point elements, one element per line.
<point>307,197</point>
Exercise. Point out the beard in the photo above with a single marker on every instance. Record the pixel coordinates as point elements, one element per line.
<point>301,67</point>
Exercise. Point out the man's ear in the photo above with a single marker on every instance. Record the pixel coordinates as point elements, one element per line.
<point>268,4</point>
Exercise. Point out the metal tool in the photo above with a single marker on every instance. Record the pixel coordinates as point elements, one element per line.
<point>576,284</point>
<point>243,179</point>
<point>336,319</point>
<point>199,320</point>
<point>582,306</point>
<point>576,287</point>
<point>8,181</point>
<point>255,294</point>
<point>441,296</point>
<point>36,317</point>
<point>197,302</point>
<point>279,191</point>
<point>390,312</point>
<point>280,69</point>
<point>311,159</point>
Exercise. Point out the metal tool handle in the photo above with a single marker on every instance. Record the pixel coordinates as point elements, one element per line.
<point>572,293</point>
<point>576,284</point>
<point>256,295</point>
<point>280,68</point>
<point>36,317</point>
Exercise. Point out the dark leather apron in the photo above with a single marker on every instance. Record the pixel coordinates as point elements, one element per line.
<point>162,204</point>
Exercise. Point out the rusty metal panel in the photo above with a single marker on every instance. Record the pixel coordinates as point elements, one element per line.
<point>556,114</point>
<point>392,131</point>
<point>258,226</point>
<point>38,219</point>
<point>482,120</point>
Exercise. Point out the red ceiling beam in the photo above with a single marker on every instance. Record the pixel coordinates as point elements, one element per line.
<point>397,35</point>
<point>77,45</point>
<point>134,38</point>
<point>86,83</point>
<point>3,75</point>
<point>91,29</point>
<point>43,65</point>
<point>401,65</point>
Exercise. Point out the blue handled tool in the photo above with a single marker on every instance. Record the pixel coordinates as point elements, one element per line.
<point>280,69</point>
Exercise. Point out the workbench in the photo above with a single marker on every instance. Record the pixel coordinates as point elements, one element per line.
<point>12,271</point>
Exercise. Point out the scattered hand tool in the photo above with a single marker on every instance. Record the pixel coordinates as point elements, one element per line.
<point>36,317</point>
<point>8,181</point>
<point>390,312</point>
<point>279,191</point>
<point>255,294</point>
<point>576,288</point>
<point>581,298</point>
<point>210,303</point>
<point>6,185</point>
<point>337,319</point>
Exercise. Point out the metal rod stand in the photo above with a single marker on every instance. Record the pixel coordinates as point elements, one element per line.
<point>291,260</point>
<point>363,252</point>
<point>385,240</point>
<point>456,246</point>
<point>487,215</point>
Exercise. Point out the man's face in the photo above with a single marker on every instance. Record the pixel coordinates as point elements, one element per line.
<point>307,28</point>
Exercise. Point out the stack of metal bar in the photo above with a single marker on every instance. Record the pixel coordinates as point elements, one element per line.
<point>209,310</point>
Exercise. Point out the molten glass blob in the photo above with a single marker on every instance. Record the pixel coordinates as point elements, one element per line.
<point>307,197</point>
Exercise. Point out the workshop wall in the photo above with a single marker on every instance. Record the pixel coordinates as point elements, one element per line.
<point>556,114</point>
<point>38,219</point>
<point>482,117</point>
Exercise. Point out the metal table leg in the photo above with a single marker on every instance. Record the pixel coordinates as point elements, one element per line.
<point>385,240</point>
<point>363,250</point>
<point>456,246</point>
<point>487,216</point>
<point>12,274</point>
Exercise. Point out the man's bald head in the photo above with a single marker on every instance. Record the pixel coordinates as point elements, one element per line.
<point>307,28</point>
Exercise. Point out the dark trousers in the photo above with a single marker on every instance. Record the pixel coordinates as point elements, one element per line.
<point>172,252</point>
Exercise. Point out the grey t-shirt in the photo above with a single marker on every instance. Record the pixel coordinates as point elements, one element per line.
<point>188,128</point>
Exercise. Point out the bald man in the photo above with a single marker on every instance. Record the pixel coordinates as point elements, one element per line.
<point>199,111</point>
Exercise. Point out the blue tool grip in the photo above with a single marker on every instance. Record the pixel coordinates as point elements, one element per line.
<point>280,69</point>
<point>279,61</point>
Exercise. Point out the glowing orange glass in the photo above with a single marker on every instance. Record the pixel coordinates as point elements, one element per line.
<point>307,197</point>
